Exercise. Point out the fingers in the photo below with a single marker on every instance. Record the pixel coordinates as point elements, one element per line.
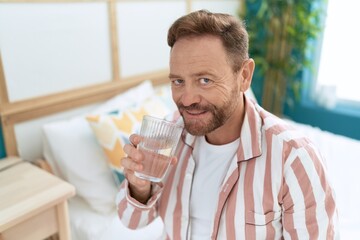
<point>139,189</point>
<point>135,139</point>
<point>133,180</point>
<point>133,153</point>
<point>132,162</point>
<point>131,165</point>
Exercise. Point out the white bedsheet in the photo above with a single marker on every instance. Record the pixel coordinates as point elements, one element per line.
<point>86,224</point>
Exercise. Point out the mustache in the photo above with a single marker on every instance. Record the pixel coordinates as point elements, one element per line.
<point>195,106</point>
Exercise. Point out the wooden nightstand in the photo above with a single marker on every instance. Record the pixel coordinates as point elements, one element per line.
<point>33,203</point>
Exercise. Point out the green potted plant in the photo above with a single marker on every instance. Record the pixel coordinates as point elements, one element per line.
<point>279,35</point>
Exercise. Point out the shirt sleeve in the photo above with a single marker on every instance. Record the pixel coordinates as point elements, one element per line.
<point>309,209</point>
<point>134,214</point>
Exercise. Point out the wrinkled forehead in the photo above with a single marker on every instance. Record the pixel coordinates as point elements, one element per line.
<point>200,52</point>
<point>197,46</point>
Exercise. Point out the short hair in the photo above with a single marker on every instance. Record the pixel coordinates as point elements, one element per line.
<point>230,29</point>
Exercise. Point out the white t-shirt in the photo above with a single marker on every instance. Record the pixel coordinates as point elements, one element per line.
<point>212,163</point>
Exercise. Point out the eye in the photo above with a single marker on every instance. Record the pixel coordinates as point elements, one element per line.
<point>204,81</point>
<point>177,82</point>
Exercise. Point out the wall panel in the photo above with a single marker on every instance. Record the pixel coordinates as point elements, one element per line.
<point>43,47</point>
<point>142,29</point>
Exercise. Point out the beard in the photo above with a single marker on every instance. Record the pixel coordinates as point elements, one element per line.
<point>219,114</point>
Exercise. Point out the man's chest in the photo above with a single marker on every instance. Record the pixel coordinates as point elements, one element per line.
<point>246,198</point>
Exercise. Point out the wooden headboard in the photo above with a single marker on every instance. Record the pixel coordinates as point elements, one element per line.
<point>57,55</point>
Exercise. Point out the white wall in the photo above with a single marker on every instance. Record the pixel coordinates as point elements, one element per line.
<point>52,47</point>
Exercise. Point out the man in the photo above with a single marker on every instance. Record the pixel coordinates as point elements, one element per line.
<point>240,172</point>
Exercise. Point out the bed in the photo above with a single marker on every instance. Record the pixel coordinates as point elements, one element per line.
<point>67,119</point>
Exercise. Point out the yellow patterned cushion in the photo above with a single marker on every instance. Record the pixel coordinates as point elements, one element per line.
<point>113,130</point>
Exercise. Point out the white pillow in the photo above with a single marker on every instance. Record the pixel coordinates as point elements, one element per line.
<point>72,151</point>
<point>128,98</point>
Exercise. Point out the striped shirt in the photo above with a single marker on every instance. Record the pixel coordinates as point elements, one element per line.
<point>276,187</point>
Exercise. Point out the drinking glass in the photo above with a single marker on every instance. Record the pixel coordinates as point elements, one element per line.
<point>159,139</point>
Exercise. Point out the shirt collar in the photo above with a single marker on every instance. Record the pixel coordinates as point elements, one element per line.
<point>250,135</point>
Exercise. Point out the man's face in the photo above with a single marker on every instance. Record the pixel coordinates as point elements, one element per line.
<point>204,86</point>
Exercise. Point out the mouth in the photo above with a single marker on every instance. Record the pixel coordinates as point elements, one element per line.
<point>194,113</point>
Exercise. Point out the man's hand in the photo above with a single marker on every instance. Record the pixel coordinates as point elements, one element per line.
<point>139,189</point>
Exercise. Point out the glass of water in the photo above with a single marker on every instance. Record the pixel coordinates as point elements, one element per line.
<point>159,139</point>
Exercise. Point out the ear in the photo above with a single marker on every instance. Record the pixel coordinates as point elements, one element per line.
<point>246,74</point>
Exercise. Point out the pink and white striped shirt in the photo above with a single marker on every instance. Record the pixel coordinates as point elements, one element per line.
<point>275,188</point>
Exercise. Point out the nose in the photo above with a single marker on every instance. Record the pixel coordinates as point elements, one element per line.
<point>189,96</point>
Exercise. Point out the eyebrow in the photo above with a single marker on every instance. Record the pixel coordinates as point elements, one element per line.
<point>174,76</point>
<point>202,74</point>
<point>193,75</point>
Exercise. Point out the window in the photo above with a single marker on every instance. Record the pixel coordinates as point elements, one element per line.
<point>339,61</point>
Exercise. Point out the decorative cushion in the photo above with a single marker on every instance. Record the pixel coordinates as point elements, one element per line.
<point>113,130</point>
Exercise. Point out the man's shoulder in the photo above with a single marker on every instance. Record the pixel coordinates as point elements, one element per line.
<point>282,130</point>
